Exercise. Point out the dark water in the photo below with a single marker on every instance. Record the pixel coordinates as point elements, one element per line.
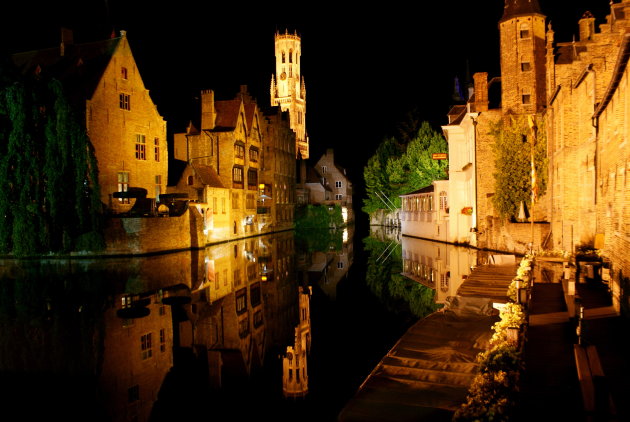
<point>202,334</point>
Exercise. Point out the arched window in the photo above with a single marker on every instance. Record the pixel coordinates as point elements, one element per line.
<point>283,58</point>
<point>290,56</point>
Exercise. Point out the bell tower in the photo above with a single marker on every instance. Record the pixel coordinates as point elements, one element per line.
<point>523,57</point>
<point>287,86</point>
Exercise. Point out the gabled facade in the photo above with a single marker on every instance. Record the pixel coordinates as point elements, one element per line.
<point>241,166</point>
<point>334,177</point>
<point>278,172</point>
<point>122,121</point>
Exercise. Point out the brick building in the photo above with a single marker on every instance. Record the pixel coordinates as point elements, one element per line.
<point>288,90</point>
<point>241,167</point>
<point>122,121</point>
<point>334,177</point>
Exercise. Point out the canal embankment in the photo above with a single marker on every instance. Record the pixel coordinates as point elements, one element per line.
<point>428,372</point>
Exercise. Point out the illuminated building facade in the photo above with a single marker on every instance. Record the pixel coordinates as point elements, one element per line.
<point>287,87</point>
<point>122,121</point>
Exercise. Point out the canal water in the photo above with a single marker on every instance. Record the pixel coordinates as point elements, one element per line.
<point>284,326</point>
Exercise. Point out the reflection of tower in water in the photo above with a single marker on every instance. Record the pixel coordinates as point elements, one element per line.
<point>294,362</point>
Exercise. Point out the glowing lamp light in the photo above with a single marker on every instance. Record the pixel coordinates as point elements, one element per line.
<point>264,278</point>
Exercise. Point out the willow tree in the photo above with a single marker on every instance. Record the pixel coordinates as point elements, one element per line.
<point>514,141</point>
<point>49,197</point>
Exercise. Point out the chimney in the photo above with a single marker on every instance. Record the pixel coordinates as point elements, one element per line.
<point>67,39</point>
<point>481,91</point>
<point>587,26</point>
<point>208,112</point>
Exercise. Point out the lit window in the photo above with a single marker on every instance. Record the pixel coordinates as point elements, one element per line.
<point>237,176</point>
<point>124,101</point>
<point>156,149</point>
<point>123,185</point>
<point>253,155</point>
<point>146,346</point>
<point>141,152</point>
<point>158,186</point>
<point>239,150</point>
<point>443,200</point>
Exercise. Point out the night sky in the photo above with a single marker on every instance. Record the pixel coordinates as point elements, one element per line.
<point>363,72</point>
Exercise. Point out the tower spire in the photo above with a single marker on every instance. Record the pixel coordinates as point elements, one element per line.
<point>287,89</point>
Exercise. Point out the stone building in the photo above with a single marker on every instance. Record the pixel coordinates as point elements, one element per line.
<point>278,172</point>
<point>579,90</point>
<point>520,91</point>
<point>288,90</point>
<point>226,155</point>
<point>122,121</point>
<point>334,177</point>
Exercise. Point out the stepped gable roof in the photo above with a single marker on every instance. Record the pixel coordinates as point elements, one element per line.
<point>227,114</point>
<point>208,175</point>
<point>80,68</point>
<point>514,8</point>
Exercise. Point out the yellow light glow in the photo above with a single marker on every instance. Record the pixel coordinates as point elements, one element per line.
<point>261,186</point>
<point>264,278</point>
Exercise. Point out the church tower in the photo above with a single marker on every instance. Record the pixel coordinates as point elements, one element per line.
<point>523,56</point>
<point>287,86</point>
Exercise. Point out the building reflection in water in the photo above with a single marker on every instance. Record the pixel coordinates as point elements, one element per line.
<point>440,266</point>
<point>121,326</point>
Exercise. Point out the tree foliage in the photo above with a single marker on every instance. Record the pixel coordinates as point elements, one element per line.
<point>49,194</point>
<point>512,148</point>
<point>396,168</point>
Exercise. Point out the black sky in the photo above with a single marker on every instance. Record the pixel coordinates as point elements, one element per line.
<point>363,71</point>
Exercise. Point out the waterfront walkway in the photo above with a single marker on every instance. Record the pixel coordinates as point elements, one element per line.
<point>551,389</point>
